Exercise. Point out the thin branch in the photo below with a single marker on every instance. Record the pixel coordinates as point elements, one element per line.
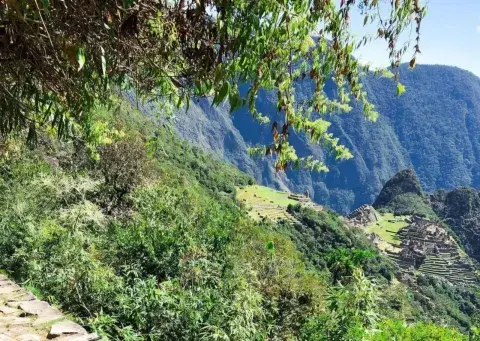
<point>46,30</point>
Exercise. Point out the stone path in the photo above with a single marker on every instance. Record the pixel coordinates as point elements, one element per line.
<point>24,318</point>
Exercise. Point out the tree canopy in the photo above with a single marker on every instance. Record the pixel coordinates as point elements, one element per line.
<point>61,58</point>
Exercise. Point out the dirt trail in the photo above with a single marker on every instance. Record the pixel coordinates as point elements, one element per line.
<point>24,318</point>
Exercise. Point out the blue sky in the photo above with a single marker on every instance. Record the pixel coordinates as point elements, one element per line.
<point>450,36</point>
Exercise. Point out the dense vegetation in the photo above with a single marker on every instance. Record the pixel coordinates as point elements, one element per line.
<point>173,258</point>
<point>60,60</point>
<point>327,243</point>
<point>154,247</point>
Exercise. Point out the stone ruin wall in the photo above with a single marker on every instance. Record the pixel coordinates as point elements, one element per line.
<point>362,216</point>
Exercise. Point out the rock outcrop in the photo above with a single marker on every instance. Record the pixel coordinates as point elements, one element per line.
<point>460,209</point>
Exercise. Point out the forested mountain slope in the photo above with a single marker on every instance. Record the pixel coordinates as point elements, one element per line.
<point>432,127</point>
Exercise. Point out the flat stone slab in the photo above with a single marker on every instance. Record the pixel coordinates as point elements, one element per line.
<point>9,288</point>
<point>4,337</point>
<point>66,328</point>
<point>34,307</point>
<point>29,337</point>
<point>88,337</point>
<point>15,321</point>
<point>45,312</point>
<point>8,310</point>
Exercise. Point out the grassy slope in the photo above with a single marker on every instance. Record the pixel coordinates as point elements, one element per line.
<point>387,226</point>
<point>257,194</point>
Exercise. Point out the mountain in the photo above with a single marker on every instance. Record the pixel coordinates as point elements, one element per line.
<point>431,128</point>
<point>404,182</point>
<point>460,208</point>
<point>403,195</point>
<point>432,241</point>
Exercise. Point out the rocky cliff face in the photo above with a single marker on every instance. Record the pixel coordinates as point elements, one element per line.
<point>460,208</point>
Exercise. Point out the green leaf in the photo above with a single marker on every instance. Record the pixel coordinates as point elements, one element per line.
<point>104,62</point>
<point>80,58</point>
<point>400,88</point>
<point>234,100</point>
<point>222,93</point>
<point>306,44</point>
<point>270,245</point>
<point>218,74</point>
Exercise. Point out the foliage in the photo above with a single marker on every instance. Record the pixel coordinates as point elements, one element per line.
<point>409,204</point>
<point>436,300</point>
<point>342,262</point>
<point>61,59</point>
<point>327,242</point>
<point>398,330</point>
<point>174,269</point>
<point>351,312</point>
<point>123,165</point>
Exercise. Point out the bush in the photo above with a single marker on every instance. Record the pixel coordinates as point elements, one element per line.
<point>124,165</point>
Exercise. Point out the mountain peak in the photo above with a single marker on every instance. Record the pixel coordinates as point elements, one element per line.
<point>403,183</point>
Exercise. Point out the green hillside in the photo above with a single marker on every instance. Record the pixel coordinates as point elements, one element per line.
<point>257,194</point>
<point>140,237</point>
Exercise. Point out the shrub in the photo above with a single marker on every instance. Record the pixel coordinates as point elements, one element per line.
<point>124,165</point>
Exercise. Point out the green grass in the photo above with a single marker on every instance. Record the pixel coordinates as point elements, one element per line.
<point>254,195</point>
<point>386,228</point>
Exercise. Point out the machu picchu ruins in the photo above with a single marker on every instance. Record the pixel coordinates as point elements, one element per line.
<point>427,247</point>
<point>422,245</point>
<point>363,215</point>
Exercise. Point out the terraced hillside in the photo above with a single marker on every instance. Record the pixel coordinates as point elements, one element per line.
<point>267,203</point>
<point>417,245</point>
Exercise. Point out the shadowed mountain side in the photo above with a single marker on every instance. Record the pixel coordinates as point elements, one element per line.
<point>432,128</point>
